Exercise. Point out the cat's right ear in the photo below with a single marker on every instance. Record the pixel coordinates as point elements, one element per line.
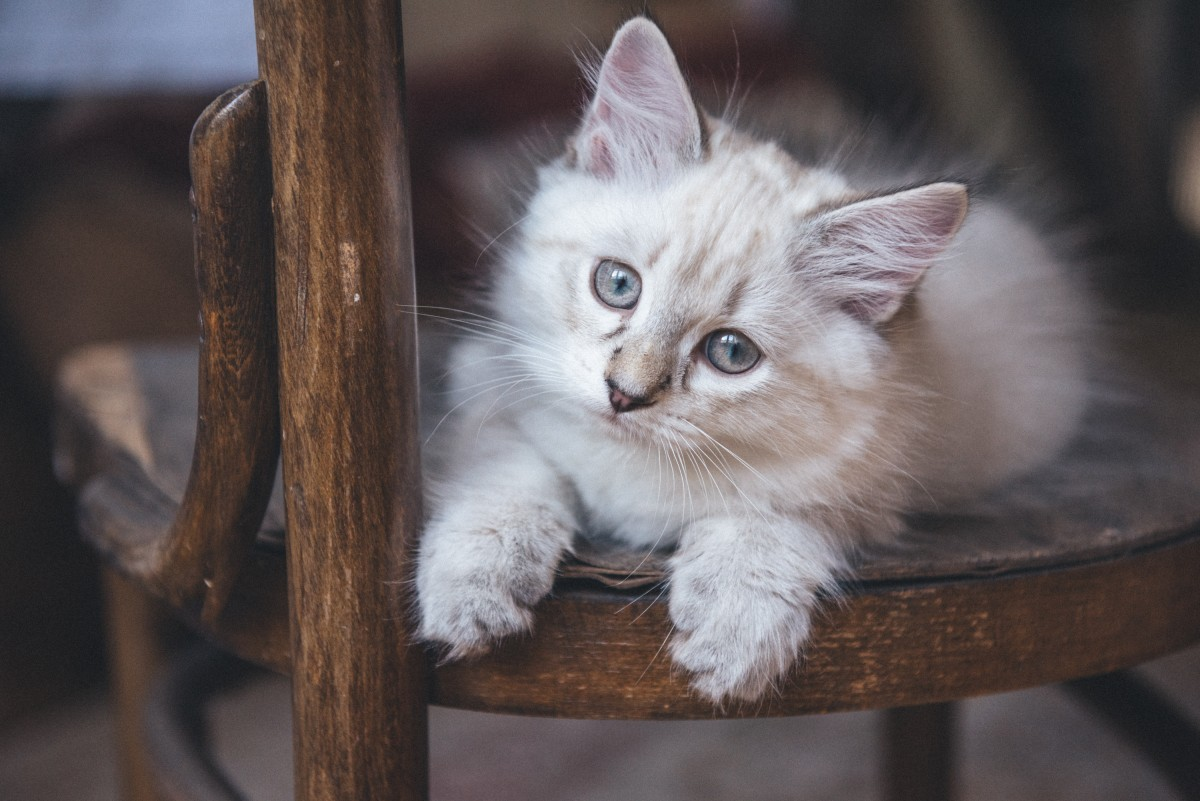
<point>642,121</point>
<point>871,254</point>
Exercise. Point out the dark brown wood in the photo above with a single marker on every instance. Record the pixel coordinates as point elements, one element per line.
<point>237,429</point>
<point>178,745</point>
<point>351,473</point>
<point>136,406</point>
<point>918,753</point>
<point>135,653</point>
<point>232,435</point>
<point>122,511</point>
<point>598,654</point>
<point>1148,721</point>
<point>911,640</point>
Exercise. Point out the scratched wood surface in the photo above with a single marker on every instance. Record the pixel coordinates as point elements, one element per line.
<point>1091,565</point>
<point>351,472</point>
<point>222,486</point>
<point>1130,483</point>
<point>237,430</point>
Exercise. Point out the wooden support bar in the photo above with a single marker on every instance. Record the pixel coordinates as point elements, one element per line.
<point>237,430</point>
<point>1149,722</point>
<point>137,648</point>
<point>919,753</point>
<point>178,742</point>
<point>344,283</point>
<point>195,567</point>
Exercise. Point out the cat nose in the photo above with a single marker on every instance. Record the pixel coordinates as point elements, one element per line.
<point>622,401</point>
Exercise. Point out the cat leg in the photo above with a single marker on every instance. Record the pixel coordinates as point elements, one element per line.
<point>491,550</point>
<point>742,597</point>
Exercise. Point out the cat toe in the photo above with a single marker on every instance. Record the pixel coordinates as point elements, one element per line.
<point>472,596</point>
<point>468,627</point>
<point>720,673</point>
<point>735,646</point>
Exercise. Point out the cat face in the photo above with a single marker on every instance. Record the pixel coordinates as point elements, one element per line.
<point>693,286</point>
<point>678,308</point>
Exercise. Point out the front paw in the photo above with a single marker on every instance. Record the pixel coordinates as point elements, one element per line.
<point>736,642</point>
<point>479,585</point>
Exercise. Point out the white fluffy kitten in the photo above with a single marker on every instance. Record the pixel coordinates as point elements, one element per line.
<point>699,342</point>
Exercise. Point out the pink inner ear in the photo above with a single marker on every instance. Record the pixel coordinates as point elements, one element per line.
<point>642,119</point>
<point>873,253</point>
<point>600,161</point>
<point>633,48</point>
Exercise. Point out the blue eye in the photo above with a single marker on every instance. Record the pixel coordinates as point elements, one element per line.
<point>616,284</point>
<point>731,352</point>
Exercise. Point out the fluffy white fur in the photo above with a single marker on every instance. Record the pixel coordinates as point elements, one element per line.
<point>912,353</point>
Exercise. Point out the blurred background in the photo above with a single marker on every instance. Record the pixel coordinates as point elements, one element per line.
<point>97,100</point>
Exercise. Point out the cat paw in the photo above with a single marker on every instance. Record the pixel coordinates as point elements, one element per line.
<point>735,645</point>
<point>479,585</point>
<point>466,615</point>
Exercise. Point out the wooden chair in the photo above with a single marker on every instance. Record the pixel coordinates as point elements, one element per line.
<point>303,260</point>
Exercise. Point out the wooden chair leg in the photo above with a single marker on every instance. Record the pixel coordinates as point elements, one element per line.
<point>138,629</point>
<point>176,720</point>
<point>1149,722</point>
<point>352,487</point>
<point>919,753</point>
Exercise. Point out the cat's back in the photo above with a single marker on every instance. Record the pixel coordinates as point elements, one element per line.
<point>1004,320</point>
<point>1001,339</point>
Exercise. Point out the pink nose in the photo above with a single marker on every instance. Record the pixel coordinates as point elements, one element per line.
<point>622,402</point>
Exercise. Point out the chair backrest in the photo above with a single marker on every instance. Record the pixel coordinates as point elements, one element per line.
<point>344,290</point>
<point>308,347</point>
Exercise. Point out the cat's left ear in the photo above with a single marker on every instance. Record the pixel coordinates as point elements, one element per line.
<point>872,254</point>
<point>642,120</point>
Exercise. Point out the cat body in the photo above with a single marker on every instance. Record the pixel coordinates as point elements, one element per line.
<point>697,342</point>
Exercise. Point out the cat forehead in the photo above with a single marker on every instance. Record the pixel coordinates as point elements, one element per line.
<point>744,192</point>
<point>749,189</point>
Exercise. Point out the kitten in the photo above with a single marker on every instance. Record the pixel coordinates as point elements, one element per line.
<point>698,342</point>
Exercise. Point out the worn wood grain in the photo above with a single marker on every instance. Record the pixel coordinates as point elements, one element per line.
<point>1095,503</point>
<point>598,655</point>
<point>1122,595</point>
<point>230,432</point>
<point>237,422</point>
<point>348,364</point>
<point>121,511</point>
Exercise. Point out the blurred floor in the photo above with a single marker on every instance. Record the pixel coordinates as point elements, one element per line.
<point>1031,745</point>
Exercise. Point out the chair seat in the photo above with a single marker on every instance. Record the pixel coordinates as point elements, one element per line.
<point>1091,565</point>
